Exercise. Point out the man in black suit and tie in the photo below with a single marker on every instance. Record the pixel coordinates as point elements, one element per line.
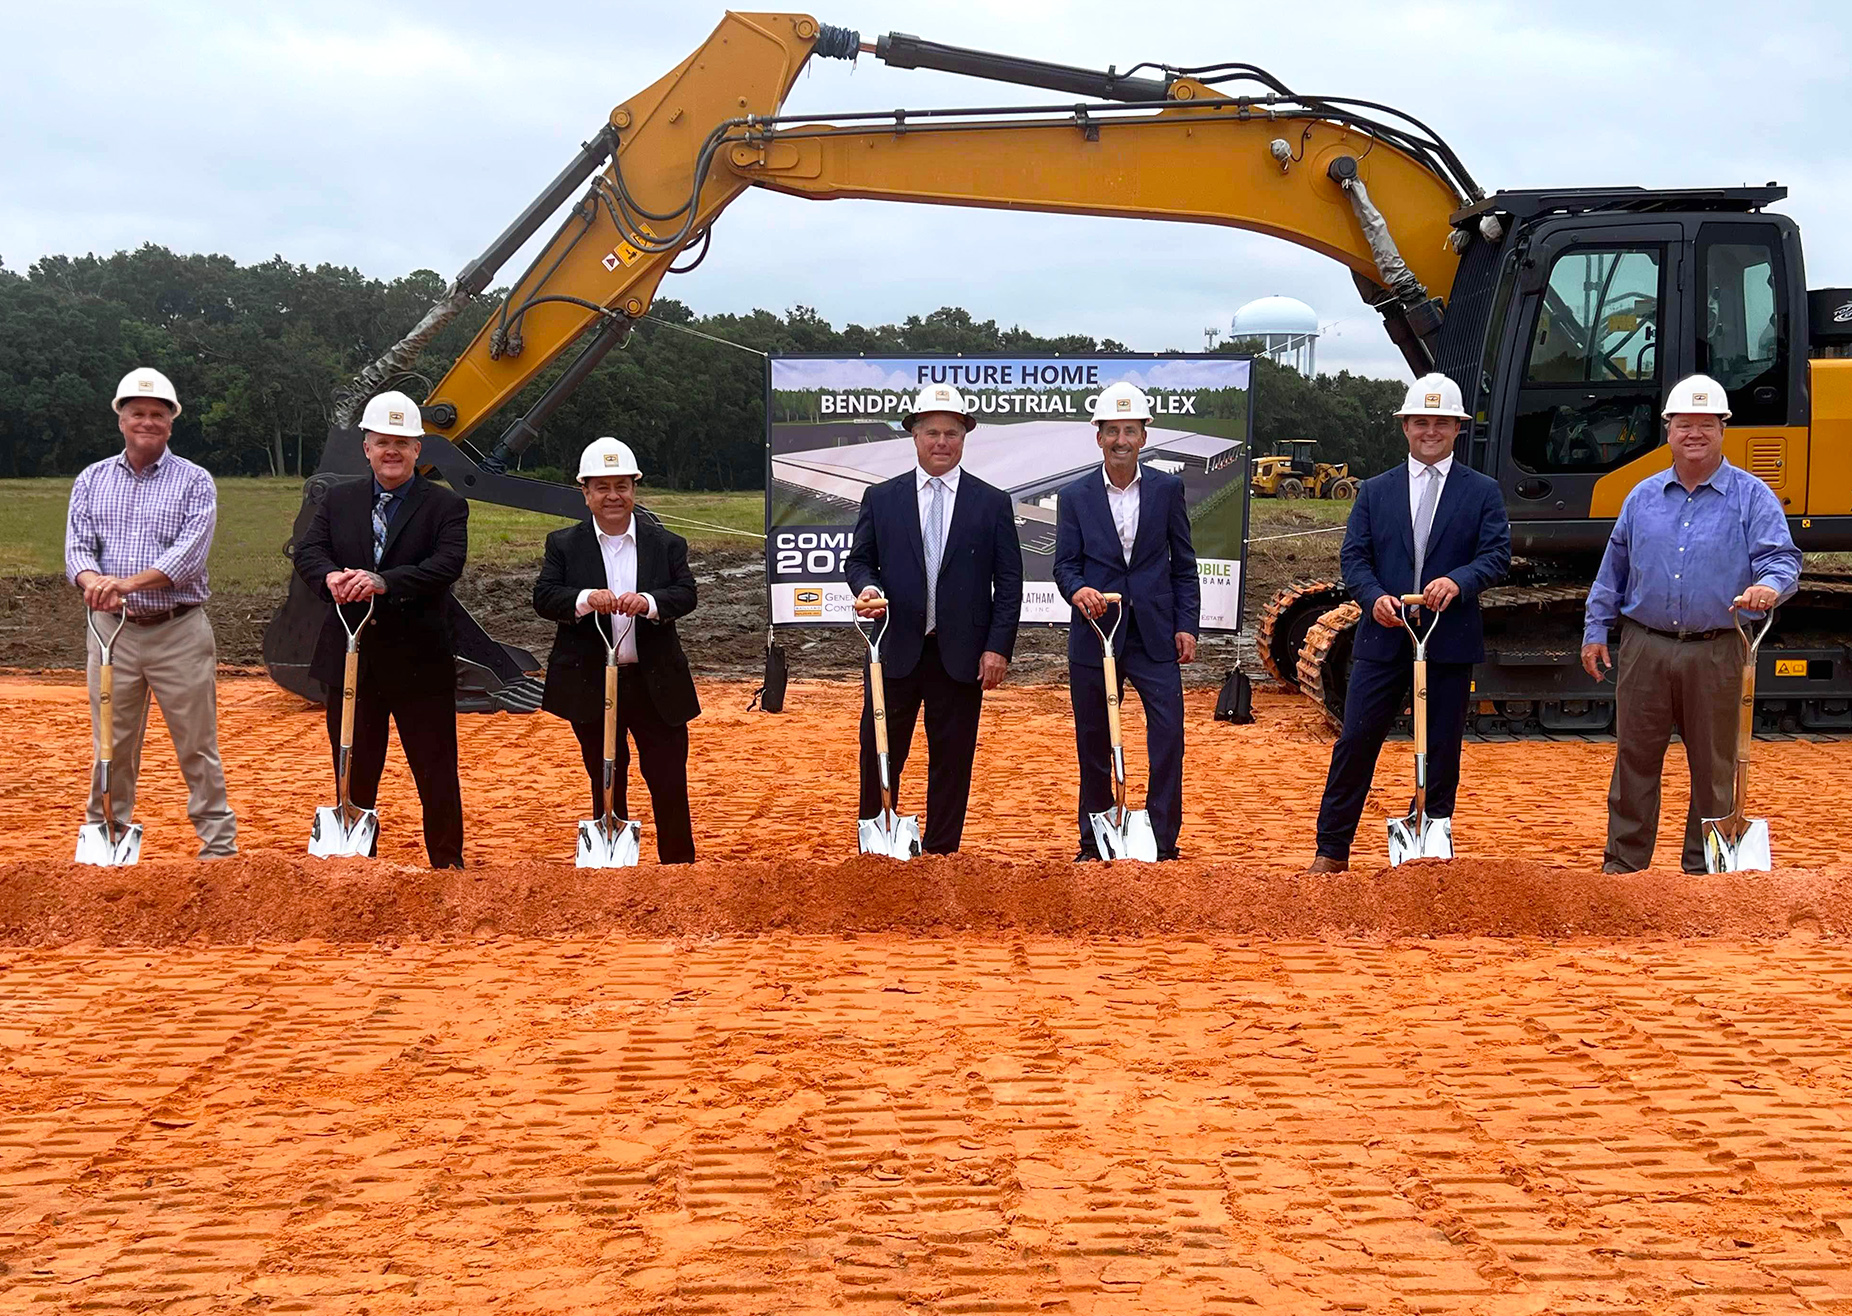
<point>624,564</point>
<point>1124,529</point>
<point>401,541</point>
<point>940,546</point>
<point>1430,526</point>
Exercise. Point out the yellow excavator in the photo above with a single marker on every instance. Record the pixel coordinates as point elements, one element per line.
<point>1563,314</point>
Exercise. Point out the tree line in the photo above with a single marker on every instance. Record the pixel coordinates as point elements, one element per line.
<point>258,351</point>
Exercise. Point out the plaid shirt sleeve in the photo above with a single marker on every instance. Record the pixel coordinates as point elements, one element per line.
<point>186,560</point>
<point>80,532</point>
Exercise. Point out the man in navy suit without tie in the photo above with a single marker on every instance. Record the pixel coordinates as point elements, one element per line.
<point>1430,526</point>
<point>939,545</point>
<point>1124,530</point>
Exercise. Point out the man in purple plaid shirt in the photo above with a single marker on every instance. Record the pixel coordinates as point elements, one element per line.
<point>139,530</point>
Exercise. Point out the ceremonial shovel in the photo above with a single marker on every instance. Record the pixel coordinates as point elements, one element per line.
<point>100,843</point>
<point>1737,844</point>
<point>345,832</point>
<point>1419,836</point>
<point>609,841</point>
<point>887,833</point>
<point>1121,833</point>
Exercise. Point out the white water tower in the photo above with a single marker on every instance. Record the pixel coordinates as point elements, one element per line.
<point>1286,328</point>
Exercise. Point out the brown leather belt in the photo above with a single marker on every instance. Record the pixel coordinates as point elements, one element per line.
<point>156,618</point>
<point>1687,637</point>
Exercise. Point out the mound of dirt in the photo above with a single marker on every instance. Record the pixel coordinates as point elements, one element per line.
<point>272,896</point>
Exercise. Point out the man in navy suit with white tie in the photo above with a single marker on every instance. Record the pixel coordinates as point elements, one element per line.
<point>1430,526</point>
<point>1123,529</point>
<point>939,546</point>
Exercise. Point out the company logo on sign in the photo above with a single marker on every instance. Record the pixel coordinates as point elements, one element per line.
<point>1432,401</point>
<point>1843,314</point>
<point>806,602</point>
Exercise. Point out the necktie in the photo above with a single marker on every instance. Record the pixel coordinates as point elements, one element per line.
<point>1424,518</point>
<point>379,526</point>
<point>935,549</point>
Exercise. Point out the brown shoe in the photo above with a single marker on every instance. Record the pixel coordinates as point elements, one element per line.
<point>1324,863</point>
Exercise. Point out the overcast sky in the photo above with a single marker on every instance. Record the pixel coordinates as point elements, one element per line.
<point>393,135</point>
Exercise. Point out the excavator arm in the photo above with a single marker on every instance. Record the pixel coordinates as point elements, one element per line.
<point>647,189</point>
<point>1318,172</point>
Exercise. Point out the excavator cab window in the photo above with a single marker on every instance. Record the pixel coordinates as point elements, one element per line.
<point>1589,401</point>
<point>1741,344</point>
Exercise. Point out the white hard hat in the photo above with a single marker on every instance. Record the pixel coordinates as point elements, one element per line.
<point>1433,395</point>
<point>1699,395</point>
<point>1121,401</point>
<point>939,397</point>
<point>607,457</point>
<point>392,413</point>
<point>146,382</point>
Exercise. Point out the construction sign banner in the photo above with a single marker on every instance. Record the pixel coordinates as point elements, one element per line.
<point>833,429</point>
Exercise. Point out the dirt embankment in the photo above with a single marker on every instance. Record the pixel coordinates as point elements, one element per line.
<point>273,896</point>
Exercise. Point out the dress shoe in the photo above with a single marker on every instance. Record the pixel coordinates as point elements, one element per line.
<point>1612,866</point>
<point>1087,855</point>
<point>1324,863</point>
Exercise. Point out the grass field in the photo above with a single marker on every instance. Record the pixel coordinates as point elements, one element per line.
<point>255,516</point>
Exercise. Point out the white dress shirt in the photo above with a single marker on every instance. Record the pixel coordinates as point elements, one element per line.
<point>1124,506</point>
<point>620,574</point>
<point>950,481</point>
<point>1417,473</point>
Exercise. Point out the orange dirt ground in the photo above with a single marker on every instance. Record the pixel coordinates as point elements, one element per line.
<point>792,1079</point>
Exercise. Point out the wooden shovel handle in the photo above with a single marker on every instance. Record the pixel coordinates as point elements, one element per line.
<point>106,714</point>
<point>350,681</point>
<point>1112,598</point>
<point>1409,600</point>
<point>877,699</point>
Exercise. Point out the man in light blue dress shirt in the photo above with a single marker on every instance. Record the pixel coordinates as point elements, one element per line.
<point>1690,545</point>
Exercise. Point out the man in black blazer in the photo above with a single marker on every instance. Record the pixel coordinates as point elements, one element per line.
<point>623,564</point>
<point>940,546</point>
<point>1123,529</point>
<point>401,541</point>
<point>1431,526</point>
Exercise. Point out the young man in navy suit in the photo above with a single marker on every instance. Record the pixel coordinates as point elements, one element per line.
<point>1124,530</point>
<point>939,546</point>
<point>1430,526</point>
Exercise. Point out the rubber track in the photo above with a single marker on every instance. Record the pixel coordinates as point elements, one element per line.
<point>1314,680</point>
<point>1286,600</point>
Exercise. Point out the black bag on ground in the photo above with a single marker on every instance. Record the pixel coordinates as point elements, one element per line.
<point>1235,703</point>
<point>770,697</point>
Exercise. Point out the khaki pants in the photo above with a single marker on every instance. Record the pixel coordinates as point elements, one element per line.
<point>1662,685</point>
<point>178,662</point>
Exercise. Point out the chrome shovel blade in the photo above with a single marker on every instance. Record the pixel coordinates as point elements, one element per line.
<point>1748,853</point>
<point>335,836</point>
<point>95,847</point>
<point>890,834</point>
<point>609,844</point>
<point>1415,837</point>
<point>1132,839</point>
